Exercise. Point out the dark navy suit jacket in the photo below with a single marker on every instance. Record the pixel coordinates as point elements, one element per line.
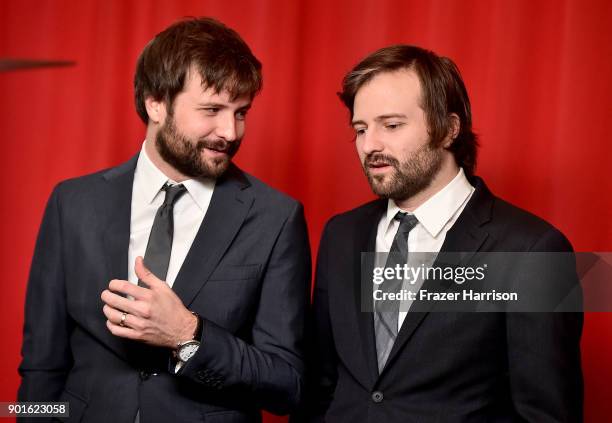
<point>247,274</point>
<point>444,366</point>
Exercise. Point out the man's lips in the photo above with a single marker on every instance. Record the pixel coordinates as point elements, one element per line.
<point>216,152</point>
<point>378,166</point>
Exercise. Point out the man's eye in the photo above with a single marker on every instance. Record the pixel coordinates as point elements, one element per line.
<point>392,126</point>
<point>241,115</point>
<point>359,131</point>
<point>212,110</point>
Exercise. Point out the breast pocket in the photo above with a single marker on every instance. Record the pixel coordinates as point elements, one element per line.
<point>231,295</point>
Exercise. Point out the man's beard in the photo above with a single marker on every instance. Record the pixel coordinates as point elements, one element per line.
<point>185,155</point>
<point>408,177</point>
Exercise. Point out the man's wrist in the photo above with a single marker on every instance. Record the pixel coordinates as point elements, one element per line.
<point>192,330</point>
<point>186,348</point>
<point>197,333</point>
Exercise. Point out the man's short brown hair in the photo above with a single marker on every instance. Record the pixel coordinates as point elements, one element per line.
<point>221,57</point>
<point>443,93</point>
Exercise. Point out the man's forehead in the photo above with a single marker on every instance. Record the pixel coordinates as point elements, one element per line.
<point>199,90</point>
<point>392,82</point>
<point>388,92</point>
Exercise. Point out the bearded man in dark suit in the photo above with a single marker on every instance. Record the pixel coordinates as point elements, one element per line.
<point>413,133</point>
<point>210,325</point>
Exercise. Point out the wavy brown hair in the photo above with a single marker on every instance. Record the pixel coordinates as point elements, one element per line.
<point>221,57</point>
<point>443,93</point>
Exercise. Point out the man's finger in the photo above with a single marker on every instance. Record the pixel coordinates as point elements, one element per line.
<point>112,314</point>
<point>123,332</point>
<point>116,317</point>
<point>145,275</point>
<point>128,288</point>
<point>120,303</point>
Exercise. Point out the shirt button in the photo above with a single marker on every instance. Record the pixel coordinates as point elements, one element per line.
<point>377,397</point>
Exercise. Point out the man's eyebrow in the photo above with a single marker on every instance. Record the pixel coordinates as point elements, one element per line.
<point>223,106</point>
<point>390,116</point>
<point>380,118</point>
<point>212,104</point>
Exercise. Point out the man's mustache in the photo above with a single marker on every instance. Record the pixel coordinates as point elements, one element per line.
<point>227,147</point>
<point>379,159</point>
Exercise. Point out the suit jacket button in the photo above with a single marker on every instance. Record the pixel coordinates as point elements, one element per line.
<point>377,397</point>
<point>144,375</point>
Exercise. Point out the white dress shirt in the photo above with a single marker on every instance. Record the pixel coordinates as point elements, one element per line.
<point>436,216</point>
<point>189,211</point>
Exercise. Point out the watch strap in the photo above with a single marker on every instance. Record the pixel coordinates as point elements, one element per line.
<point>197,335</point>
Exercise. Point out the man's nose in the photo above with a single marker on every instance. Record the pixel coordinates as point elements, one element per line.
<point>371,142</point>
<point>226,127</point>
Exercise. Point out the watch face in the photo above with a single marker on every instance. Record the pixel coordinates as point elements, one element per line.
<point>187,350</point>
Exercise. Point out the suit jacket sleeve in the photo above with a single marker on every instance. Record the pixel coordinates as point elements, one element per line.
<point>321,377</point>
<point>271,367</point>
<point>46,356</point>
<point>544,351</point>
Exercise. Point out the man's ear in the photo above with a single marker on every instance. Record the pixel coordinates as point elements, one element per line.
<point>453,130</point>
<point>156,109</point>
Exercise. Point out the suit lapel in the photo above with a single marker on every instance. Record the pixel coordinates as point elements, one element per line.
<point>365,241</point>
<point>115,208</point>
<point>228,208</point>
<point>466,237</point>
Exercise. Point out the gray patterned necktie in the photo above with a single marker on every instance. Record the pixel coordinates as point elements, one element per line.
<point>386,312</point>
<point>159,246</point>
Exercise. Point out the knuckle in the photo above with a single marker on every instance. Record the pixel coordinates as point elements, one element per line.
<point>147,296</point>
<point>145,309</point>
<point>136,324</point>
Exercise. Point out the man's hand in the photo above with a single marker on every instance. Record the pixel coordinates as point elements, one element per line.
<point>155,316</point>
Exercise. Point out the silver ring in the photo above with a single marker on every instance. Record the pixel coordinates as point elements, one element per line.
<point>122,322</point>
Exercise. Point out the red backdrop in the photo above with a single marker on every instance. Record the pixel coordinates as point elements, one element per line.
<point>538,73</point>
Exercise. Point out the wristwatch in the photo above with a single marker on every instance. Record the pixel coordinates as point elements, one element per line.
<point>187,349</point>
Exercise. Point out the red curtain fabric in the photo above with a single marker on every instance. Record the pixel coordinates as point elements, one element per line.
<point>538,74</point>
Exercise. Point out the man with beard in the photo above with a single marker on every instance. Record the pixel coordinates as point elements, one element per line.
<point>210,325</point>
<point>413,133</point>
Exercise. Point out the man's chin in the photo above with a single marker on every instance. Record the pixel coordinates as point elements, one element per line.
<point>378,182</point>
<point>383,186</point>
<point>380,188</point>
<point>215,168</point>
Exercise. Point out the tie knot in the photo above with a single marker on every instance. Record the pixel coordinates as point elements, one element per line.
<point>407,221</point>
<point>173,193</point>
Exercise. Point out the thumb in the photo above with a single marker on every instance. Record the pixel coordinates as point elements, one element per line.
<point>144,274</point>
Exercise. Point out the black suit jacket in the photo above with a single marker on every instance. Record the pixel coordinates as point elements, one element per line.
<point>247,275</point>
<point>444,366</point>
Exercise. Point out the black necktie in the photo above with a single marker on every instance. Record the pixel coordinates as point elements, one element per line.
<point>386,312</point>
<point>157,254</point>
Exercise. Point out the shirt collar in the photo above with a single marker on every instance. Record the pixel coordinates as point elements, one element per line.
<point>153,180</point>
<point>435,213</point>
